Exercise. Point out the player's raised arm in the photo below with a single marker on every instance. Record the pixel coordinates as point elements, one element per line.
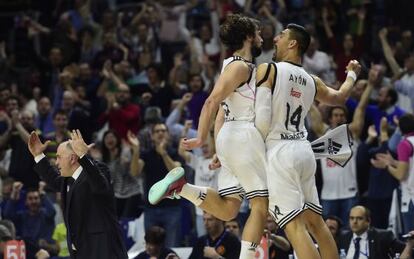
<point>331,96</point>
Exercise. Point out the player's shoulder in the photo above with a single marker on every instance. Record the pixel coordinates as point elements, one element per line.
<point>316,79</point>
<point>237,66</point>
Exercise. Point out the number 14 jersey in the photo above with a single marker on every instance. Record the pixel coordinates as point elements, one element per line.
<point>293,95</point>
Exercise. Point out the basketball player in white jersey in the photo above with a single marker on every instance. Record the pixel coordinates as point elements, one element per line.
<point>239,145</point>
<point>285,94</point>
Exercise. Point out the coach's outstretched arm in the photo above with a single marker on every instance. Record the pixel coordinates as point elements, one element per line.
<point>98,173</point>
<point>263,104</point>
<point>51,176</point>
<point>233,75</point>
<point>331,96</point>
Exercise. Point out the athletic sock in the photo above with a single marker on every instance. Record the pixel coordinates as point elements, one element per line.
<point>195,194</point>
<point>248,250</point>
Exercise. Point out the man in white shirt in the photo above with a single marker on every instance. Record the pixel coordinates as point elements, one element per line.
<point>364,242</point>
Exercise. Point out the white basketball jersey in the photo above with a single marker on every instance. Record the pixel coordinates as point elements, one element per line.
<point>239,105</point>
<point>340,182</point>
<point>407,185</point>
<point>293,95</point>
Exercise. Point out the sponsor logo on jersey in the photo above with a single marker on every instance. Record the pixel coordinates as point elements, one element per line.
<point>295,93</point>
<point>333,147</point>
<point>292,136</point>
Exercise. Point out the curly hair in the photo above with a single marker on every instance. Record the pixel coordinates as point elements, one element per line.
<point>235,30</point>
<point>406,123</point>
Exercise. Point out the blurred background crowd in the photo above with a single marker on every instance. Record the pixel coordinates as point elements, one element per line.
<point>133,77</point>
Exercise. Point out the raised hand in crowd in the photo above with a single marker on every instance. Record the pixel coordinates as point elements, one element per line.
<point>161,147</point>
<point>372,134</point>
<point>188,124</point>
<point>133,141</point>
<point>107,69</point>
<point>382,34</point>
<point>383,160</point>
<point>112,104</point>
<point>15,193</point>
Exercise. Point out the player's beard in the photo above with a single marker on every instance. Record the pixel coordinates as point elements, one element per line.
<point>256,51</point>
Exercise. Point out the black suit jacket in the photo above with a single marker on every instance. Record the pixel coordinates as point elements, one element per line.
<point>382,243</point>
<point>88,210</point>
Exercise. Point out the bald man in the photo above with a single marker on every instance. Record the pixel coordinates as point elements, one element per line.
<point>364,241</point>
<point>88,198</point>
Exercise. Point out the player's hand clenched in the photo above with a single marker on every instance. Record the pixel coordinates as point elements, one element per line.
<point>354,65</point>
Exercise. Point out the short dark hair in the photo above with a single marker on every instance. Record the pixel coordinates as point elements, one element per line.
<point>335,218</point>
<point>156,124</point>
<point>235,30</point>
<point>158,69</point>
<point>301,35</point>
<point>406,123</point>
<point>60,112</point>
<point>192,75</point>
<point>234,220</point>
<point>32,189</point>
<point>155,235</point>
<point>14,97</point>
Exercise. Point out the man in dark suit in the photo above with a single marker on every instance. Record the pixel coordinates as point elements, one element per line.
<point>366,242</point>
<point>87,197</point>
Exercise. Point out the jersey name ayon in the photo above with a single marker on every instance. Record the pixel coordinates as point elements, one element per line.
<point>297,79</point>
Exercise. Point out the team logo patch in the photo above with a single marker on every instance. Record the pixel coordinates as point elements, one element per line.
<point>277,212</point>
<point>333,147</point>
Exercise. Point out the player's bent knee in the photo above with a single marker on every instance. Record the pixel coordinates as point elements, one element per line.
<point>295,226</point>
<point>232,208</point>
<point>314,221</point>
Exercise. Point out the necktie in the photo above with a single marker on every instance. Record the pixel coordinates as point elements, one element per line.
<point>357,248</point>
<point>70,182</point>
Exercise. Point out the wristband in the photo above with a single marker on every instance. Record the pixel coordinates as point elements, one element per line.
<point>352,75</point>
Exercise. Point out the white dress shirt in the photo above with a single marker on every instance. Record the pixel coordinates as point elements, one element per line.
<point>363,246</point>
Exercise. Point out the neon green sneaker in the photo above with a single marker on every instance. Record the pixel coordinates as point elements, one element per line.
<point>169,187</point>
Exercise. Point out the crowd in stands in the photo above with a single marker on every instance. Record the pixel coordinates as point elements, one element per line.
<point>133,77</point>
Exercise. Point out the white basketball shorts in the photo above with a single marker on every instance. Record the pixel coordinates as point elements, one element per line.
<point>291,179</point>
<point>241,151</point>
